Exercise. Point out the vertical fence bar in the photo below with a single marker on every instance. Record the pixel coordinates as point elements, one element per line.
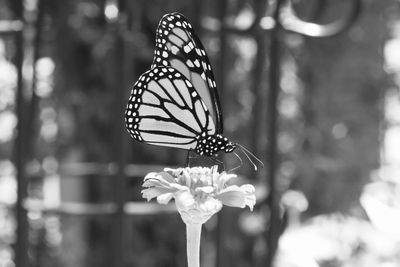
<point>274,87</point>
<point>32,106</point>
<point>257,89</point>
<point>21,249</point>
<point>119,184</point>
<point>120,176</point>
<point>257,85</point>
<point>120,145</point>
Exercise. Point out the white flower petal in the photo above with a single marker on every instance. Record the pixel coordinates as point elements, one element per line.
<point>223,179</point>
<point>236,196</point>
<point>152,182</point>
<point>199,192</point>
<point>179,187</point>
<point>164,198</point>
<point>152,192</point>
<point>163,177</point>
<point>184,200</point>
<point>205,189</point>
<point>248,188</point>
<point>200,212</point>
<point>186,178</point>
<point>211,205</point>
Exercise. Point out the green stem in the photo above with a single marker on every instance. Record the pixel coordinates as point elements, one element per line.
<point>193,236</point>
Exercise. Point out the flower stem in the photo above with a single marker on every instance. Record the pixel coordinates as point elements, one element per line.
<point>193,235</point>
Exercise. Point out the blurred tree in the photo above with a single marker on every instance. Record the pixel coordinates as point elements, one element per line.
<point>343,80</point>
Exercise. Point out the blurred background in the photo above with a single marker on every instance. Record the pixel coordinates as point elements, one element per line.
<point>311,87</point>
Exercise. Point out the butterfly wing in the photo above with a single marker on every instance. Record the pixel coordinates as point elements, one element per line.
<point>164,109</point>
<point>178,46</point>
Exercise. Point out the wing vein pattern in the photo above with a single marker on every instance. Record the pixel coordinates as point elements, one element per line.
<point>178,46</point>
<point>154,115</point>
<point>175,103</point>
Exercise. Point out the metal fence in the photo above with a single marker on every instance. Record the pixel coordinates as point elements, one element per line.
<point>272,20</point>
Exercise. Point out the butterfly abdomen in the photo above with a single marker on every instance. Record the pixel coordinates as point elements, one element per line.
<point>210,145</point>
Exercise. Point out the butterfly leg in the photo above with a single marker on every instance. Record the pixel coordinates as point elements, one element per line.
<point>189,157</point>
<point>218,162</point>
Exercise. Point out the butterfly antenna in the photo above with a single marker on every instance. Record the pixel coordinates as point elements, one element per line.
<point>241,162</point>
<point>247,153</point>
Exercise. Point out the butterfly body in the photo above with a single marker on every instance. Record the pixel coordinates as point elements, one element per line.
<point>209,145</point>
<point>175,103</point>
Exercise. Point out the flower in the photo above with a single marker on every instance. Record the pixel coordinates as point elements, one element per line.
<point>199,192</point>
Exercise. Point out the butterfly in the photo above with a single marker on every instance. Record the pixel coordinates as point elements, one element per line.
<point>175,103</point>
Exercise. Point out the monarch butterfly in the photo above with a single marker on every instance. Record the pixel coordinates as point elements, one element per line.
<point>175,103</point>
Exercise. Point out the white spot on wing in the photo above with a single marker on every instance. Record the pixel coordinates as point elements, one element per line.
<point>189,63</point>
<point>186,48</point>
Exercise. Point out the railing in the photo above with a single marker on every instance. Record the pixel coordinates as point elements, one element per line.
<point>272,20</point>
